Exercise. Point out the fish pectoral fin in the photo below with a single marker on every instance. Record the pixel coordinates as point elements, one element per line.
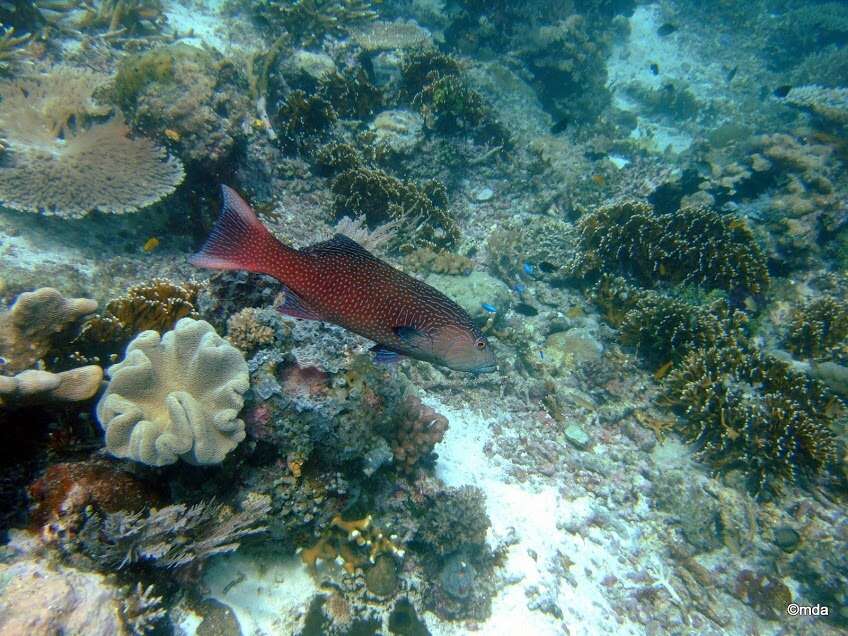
<point>384,355</point>
<point>294,306</point>
<point>413,337</point>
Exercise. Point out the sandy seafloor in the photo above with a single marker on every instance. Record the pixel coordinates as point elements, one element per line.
<point>575,544</point>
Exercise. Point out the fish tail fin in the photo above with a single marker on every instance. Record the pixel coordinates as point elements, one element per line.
<point>238,240</point>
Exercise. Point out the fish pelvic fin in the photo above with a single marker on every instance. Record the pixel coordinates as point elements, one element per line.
<point>238,240</point>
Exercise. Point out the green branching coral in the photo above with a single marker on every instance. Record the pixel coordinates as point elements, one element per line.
<point>302,118</point>
<point>334,158</point>
<point>420,65</point>
<point>692,245</point>
<point>818,328</point>
<point>308,21</point>
<point>751,411</point>
<point>352,96</point>
<point>379,197</point>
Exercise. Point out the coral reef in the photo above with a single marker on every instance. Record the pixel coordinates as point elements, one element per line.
<point>170,537</point>
<point>187,97</point>
<point>753,412</point>
<point>175,397</point>
<point>418,429</point>
<point>309,21</point>
<point>357,543</point>
<point>453,520</point>
<point>156,305</point>
<point>692,245</point>
<point>818,328</point>
<point>433,261</point>
<point>61,161</point>
<point>43,387</point>
<point>248,329</point>
<point>302,118</point>
<point>830,104</point>
<point>380,198</point>
<point>12,48</point>
<point>65,491</point>
<point>28,330</point>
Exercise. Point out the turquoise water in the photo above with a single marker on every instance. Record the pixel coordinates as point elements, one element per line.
<point>577,363</point>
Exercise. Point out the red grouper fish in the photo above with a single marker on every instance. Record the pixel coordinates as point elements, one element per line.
<point>339,281</point>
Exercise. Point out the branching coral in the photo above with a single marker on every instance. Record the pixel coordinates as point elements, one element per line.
<point>831,104</point>
<point>454,520</point>
<point>750,411</point>
<point>247,331</point>
<point>29,328</point>
<point>308,21</point>
<point>156,305</point>
<point>379,197</point>
<point>417,431</point>
<point>62,162</point>
<point>357,542</point>
<point>691,245</point>
<point>175,397</point>
<point>171,537</point>
<point>302,118</point>
<point>818,327</point>
<point>12,47</point>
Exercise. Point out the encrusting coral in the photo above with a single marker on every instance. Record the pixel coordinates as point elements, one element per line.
<point>175,397</point>
<point>60,161</point>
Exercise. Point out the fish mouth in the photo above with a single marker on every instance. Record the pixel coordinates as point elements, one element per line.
<point>486,368</point>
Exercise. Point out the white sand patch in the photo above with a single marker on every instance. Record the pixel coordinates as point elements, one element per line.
<point>537,572</point>
<point>268,594</point>
<point>203,19</point>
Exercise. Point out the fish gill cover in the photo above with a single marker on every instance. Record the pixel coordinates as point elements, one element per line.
<point>641,209</point>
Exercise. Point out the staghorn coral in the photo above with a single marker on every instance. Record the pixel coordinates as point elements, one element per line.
<point>379,197</point>
<point>352,95</point>
<point>40,387</point>
<point>751,411</point>
<point>13,48</point>
<point>356,543</point>
<point>831,104</point>
<point>28,330</point>
<point>171,537</point>
<point>692,245</point>
<point>175,397</point>
<point>309,21</point>
<point>818,327</point>
<point>418,428</point>
<point>449,106</point>
<point>61,162</point>
<point>334,158</point>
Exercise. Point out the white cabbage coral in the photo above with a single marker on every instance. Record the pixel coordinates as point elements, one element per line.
<point>175,397</point>
<point>60,160</point>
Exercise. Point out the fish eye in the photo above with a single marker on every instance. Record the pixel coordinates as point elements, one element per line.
<point>480,344</point>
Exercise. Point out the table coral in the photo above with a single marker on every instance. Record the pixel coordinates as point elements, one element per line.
<point>61,161</point>
<point>175,397</point>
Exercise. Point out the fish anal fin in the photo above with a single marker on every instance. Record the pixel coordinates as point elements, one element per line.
<point>294,306</point>
<point>384,355</point>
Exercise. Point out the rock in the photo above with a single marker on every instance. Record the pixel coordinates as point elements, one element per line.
<point>577,437</point>
<point>565,350</point>
<point>399,130</point>
<point>484,194</point>
<point>39,600</point>
<point>472,290</point>
<point>786,538</point>
<point>315,65</point>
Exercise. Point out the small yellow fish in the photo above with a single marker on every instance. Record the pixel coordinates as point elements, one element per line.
<point>599,179</point>
<point>151,244</point>
<point>172,134</point>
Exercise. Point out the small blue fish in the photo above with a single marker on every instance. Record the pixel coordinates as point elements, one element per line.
<point>529,269</point>
<point>490,308</point>
<point>520,288</point>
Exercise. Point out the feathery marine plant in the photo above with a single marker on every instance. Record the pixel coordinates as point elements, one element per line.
<point>61,157</point>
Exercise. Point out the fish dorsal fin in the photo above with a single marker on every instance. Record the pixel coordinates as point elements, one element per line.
<point>339,243</point>
<point>294,306</point>
<point>413,337</point>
